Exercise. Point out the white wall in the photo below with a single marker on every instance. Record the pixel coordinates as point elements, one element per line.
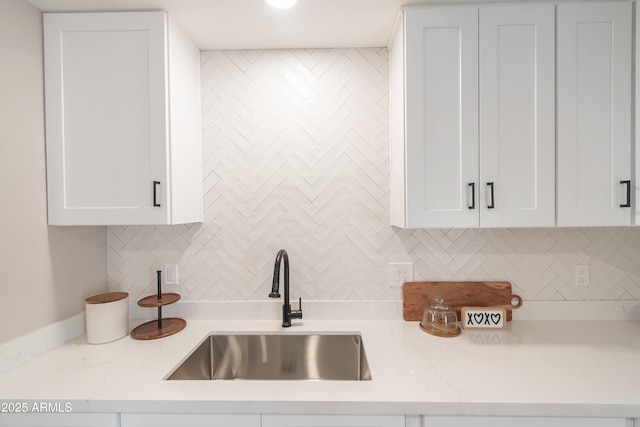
<point>45,272</point>
<point>296,156</point>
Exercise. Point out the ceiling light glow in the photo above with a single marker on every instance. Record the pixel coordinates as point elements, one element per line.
<point>281,4</point>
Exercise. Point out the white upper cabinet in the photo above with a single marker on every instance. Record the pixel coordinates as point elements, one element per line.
<point>594,114</point>
<point>472,117</point>
<point>122,120</point>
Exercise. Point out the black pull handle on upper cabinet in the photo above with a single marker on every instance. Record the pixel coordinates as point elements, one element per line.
<point>155,194</point>
<point>473,195</point>
<point>628,203</point>
<point>491,204</point>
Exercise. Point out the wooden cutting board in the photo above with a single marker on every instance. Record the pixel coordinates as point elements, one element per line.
<point>418,296</point>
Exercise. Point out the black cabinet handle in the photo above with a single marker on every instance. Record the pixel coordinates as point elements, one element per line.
<point>628,203</point>
<point>491,205</point>
<point>473,195</point>
<point>155,193</point>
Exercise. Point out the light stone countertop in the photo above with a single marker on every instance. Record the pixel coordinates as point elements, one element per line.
<point>533,368</point>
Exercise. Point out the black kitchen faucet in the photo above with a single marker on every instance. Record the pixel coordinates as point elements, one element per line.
<point>287,313</point>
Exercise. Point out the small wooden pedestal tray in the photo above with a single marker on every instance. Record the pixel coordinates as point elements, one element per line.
<point>151,330</point>
<point>160,328</point>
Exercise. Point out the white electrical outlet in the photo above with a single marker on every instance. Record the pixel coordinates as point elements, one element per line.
<point>582,275</point>
<point>400,272</point>
<point>171,274</point>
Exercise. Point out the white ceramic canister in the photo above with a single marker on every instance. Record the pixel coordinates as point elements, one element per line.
<point>107,317</point>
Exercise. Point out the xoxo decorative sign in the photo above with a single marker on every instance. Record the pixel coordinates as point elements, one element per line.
<point>483,318</point>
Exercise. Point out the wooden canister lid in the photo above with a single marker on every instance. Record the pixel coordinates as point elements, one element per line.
<point>108,297</point>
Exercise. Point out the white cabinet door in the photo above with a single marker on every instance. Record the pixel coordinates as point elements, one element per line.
<point>594,114</point>
<point>333,420</point>
<point>189,420</point>
<point>517,116</point>
<point>522,422</point>
<point>441,116</point>
<point>108,111</point>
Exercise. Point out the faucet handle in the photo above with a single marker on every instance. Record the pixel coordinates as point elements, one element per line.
<point>297,314</point>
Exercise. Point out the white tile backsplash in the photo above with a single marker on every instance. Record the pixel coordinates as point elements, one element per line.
<point>296,156</point>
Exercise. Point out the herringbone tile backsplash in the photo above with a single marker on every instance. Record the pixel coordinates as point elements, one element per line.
<point>296,156</point>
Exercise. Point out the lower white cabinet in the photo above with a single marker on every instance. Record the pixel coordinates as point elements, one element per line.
<point>190,420</point>
<point>58,420</point>
<point>523,422</point>
<point>333,420</point>
<point>257,420</point>
<point>278,420</point>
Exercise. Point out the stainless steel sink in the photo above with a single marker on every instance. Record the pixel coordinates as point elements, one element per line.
<point>276,357</point>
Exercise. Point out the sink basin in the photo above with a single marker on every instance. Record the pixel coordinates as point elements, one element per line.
<point>276,357</point>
